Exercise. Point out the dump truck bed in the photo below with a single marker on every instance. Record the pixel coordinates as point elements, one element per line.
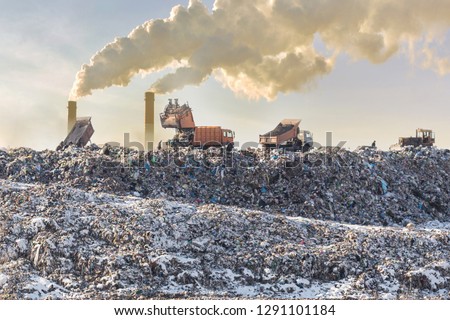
<point>177,117</point>
<point>207,135</point>
<point>285,130</point>
<point>81,133</point>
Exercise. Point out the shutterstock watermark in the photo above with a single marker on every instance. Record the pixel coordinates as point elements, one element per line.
<point>211,154</point>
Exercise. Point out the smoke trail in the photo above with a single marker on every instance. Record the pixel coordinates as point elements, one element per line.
<point>261,48</point>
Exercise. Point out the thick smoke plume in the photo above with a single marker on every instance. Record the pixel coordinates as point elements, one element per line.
<point>261,48</point>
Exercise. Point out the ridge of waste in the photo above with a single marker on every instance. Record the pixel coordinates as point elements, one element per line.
<point>109,223</point>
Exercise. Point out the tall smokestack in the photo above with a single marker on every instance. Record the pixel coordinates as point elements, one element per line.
<point>71,115</point>
<point>149,119</point>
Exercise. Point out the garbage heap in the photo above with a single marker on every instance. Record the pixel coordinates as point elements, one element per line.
<point>60,242</point>
<point>366,187</point>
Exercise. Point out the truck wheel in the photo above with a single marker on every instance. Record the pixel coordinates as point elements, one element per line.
<point>230,147</point>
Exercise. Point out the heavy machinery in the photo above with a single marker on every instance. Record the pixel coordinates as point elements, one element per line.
<point>79,135</point>
<point>287,135</point>
<point>423,138</point>
<point>180,118</point>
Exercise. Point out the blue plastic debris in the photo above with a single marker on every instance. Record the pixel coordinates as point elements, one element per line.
<point>384,186</point>
<point>147,166</point>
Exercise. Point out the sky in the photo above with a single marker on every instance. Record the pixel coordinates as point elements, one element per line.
<point>361,99</point>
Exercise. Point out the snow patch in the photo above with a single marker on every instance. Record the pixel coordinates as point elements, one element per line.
<point>3,279</point>
<point>41,288</point>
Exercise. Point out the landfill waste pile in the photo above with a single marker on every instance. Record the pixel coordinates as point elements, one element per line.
<point>109,223</point>
<point>367,187</point>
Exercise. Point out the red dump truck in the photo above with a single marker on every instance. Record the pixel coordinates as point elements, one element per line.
<point>212,136</point>
<point>287,135</point>
<point>180,118</point>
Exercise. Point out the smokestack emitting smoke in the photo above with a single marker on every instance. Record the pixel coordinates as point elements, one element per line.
<point>263,47</point>
<point>71,115</point>
<point>149,119</point>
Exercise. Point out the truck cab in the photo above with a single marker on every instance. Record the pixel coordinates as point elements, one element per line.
<point>227,136</point>
<point>306,137</point>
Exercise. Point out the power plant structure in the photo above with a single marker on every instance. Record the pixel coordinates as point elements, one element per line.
<point>75,124</point>
<point>71,115</point>
<point>149,125</point>
<point>79,130</point>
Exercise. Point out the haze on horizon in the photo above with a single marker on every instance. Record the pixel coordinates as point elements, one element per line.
<point>364,70</point>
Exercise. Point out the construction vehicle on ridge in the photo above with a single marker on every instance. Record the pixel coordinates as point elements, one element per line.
<point>423,138</point>
<point>287,135</point>
<point>79,135</point>
<point>180,118</point>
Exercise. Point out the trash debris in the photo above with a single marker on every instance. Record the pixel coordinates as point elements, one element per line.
<point>113,223</point>
<point>367,187</point>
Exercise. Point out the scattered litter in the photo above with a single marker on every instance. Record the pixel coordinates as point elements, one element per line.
<point>90,224</point>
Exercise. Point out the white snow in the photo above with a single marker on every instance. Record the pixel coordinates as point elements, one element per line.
<point>169,223</point>
<point>22,244</point>
<point>9,185</point>
<point>3,279</point>
<point>434,277</point>
<point>41,288</point>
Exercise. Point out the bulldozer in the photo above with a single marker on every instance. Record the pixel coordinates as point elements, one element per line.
<point>180,118</point>
<point>423,138</point>
<point>287,135</point>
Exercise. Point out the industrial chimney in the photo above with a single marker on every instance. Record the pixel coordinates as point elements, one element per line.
<point>149,120</point>
<point>71,115</point>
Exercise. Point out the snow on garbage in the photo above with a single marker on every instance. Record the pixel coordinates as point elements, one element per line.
<point>85,224</point>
